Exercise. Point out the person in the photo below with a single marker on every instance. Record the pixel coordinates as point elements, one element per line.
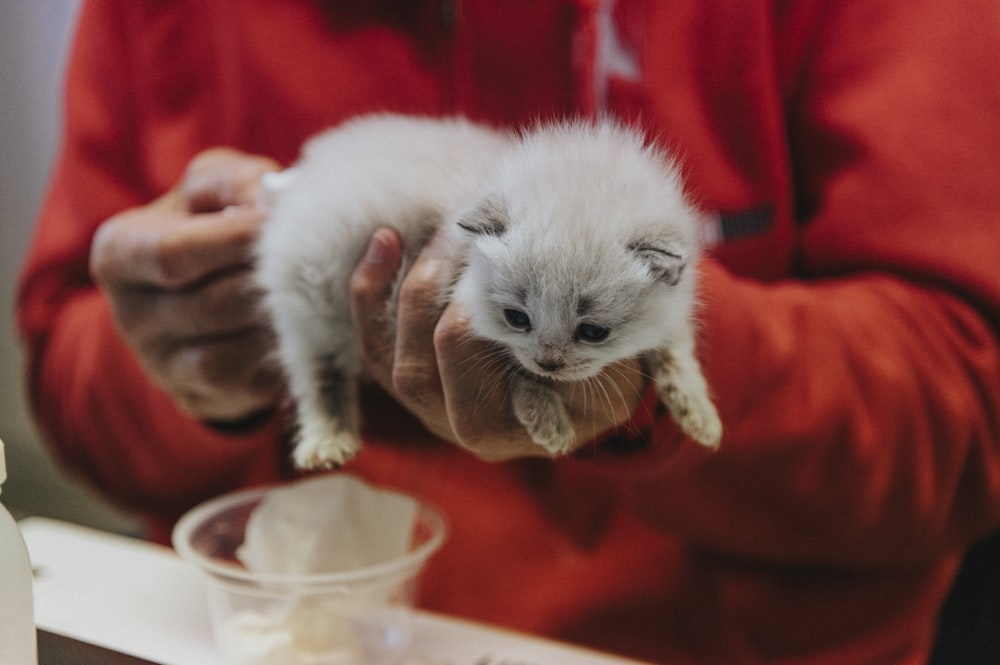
<point>845,154</point>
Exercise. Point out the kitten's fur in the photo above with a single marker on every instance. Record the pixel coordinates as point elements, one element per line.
<point>573,247</point>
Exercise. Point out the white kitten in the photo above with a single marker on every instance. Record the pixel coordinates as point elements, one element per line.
<point>573,247</point>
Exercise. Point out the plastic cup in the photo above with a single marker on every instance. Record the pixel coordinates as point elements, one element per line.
<point>350,617</point>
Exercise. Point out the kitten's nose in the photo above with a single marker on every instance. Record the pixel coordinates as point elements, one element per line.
<point>549,365</point>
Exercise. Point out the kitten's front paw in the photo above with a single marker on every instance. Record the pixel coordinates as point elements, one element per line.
<point>325,447</point>
<point>681,386</point>
<point>541,411</point>
<point>694,414</point>
<point>706,428</point>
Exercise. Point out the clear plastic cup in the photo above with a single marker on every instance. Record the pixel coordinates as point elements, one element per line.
<point>350,617</point>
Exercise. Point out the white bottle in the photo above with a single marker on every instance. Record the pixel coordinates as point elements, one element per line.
<point>18,643</point>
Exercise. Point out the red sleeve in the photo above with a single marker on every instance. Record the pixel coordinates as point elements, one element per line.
<point>861,400</point>
<point>86,389</point>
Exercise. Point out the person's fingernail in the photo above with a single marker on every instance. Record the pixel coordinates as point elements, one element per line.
<point>378,249</point>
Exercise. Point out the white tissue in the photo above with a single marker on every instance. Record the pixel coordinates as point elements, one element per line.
<point>327,524</point>
<point>331,524</point>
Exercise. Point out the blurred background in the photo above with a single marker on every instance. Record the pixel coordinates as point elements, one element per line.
<point>34,38</point>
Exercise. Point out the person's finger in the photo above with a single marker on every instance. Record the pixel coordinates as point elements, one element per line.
<point>221,177</point>
<point>158,247</point>
<point>415,372</point>
<point>224,304</point>
<point>474,374</point>
<point>371,288</point>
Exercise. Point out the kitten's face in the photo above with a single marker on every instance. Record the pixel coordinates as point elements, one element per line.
<point>563,332</point>
<point>566,310</point>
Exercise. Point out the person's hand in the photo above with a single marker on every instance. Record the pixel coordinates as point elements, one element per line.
<point>176,273</point>
<point>454,383</point>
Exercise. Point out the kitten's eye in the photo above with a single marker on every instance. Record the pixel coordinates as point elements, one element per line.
<point>589,332</point>
<point>517,319</point>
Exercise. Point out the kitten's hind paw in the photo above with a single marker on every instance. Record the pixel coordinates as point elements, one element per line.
<point>325,450</point>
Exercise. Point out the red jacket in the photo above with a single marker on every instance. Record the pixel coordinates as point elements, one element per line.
<point>852,152</point>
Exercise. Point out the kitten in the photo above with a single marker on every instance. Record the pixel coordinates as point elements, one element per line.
<point>572,244</point>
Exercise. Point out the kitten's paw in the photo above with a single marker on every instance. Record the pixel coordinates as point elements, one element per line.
<point>325,448</point>
<point>541,411</point>
<point>694,414</point>
<point>556,436</point>
<point>701,422</point>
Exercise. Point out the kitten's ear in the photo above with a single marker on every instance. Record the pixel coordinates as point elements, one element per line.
<point>665,258</point>
<point>488,218</point>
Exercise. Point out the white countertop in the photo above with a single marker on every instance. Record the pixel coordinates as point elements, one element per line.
<point>141,599</point>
